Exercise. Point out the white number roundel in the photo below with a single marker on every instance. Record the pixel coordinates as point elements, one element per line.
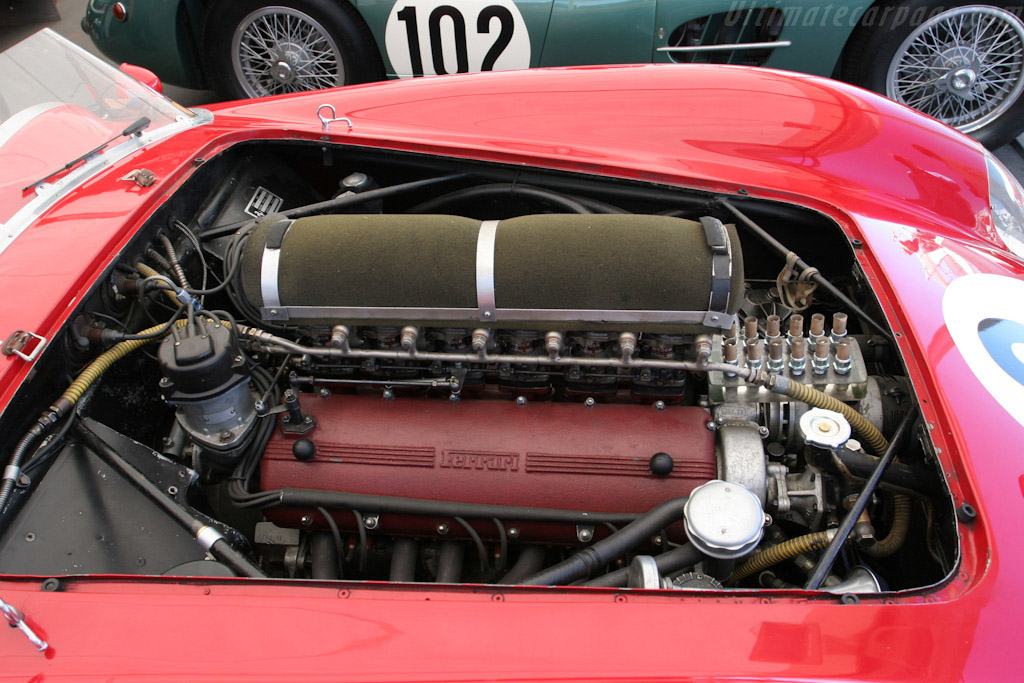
<point>985,317</point>
<point>429,37</point>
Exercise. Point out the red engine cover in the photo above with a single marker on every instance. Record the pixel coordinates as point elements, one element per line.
<point>551,455</point>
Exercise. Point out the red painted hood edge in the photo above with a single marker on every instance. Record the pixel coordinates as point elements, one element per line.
<point>792,135</point>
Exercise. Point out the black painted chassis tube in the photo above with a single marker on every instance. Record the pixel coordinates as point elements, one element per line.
<point>220,549</point>
<point>589,560</point>
<point>828,557</point>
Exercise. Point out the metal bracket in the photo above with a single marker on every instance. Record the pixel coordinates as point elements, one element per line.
<point>334,118</point>
<point>142,177</point>
<point>17,341</point>
<point>15,619</point>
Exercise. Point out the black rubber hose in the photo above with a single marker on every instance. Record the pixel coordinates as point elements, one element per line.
<point>674,560</point>
<point>339,547</point>
<point>499,190</point>
<point>13,470</point>
<point>361,527</point>
<point>862,465</point>
<point>323,557</point>
<point>220,549</point>
<point>342,202</point>
<point>828,557</point>
<point>449,561</point>
<point>530,561</point>
<point>403,561</point>
<point>481,551</point>
<point>311,498</point>
<point>584,563</point>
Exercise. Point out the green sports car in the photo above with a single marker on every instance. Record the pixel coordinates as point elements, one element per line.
<point>961,61</point>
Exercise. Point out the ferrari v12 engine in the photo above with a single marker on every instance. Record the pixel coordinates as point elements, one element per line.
<point>431,377</point>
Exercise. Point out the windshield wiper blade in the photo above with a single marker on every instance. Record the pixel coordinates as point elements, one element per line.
<point>135,128</point>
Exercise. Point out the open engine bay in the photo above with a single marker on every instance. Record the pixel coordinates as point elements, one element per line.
<point>343,364</point>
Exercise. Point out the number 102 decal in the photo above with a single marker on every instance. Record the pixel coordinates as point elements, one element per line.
<point>432,37</point>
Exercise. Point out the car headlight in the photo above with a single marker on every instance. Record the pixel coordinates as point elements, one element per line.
<point>1006,199</point>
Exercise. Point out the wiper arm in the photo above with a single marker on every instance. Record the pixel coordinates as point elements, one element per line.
<point>135,128</point>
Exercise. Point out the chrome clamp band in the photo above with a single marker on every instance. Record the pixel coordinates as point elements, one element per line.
<point>268,277</point>
<point>270,266</point>
<point>12,472</point>
<point>721,273</point>
<point>207,536</point>
<point>485,271</point>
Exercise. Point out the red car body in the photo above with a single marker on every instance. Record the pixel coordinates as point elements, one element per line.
<point>911,192</point>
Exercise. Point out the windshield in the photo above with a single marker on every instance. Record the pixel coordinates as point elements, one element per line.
<point>57,102</point>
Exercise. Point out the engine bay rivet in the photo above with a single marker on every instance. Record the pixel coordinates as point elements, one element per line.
<point>325,392</point>
<point>590,402</point>
<point>371,521</point>
<point>521,400</point>
<point>513,532</point>
<point>389,395</point>
<point>442,529</point>
<point>307,520</point>
<point>659,405</point>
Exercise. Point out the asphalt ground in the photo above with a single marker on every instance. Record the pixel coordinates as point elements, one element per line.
<point>21,18</point>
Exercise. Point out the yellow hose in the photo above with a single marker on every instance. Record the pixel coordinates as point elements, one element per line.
<point>898,532</point>
<point>877,443</point>
<point>101,365</point>
<point>149,272</point>
<point>811,396</point>
<point>783,551</point>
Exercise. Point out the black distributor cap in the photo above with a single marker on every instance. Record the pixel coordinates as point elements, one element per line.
<point>199,361</point>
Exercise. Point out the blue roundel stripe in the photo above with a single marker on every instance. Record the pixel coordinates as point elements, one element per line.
<point>999,336</point>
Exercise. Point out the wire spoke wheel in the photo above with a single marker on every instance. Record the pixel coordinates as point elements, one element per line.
<point>964,66</point>
<point>277,50</point>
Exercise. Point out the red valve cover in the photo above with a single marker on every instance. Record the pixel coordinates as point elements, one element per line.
<point>551,455</point>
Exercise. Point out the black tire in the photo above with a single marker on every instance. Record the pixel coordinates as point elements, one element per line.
<point>882,56</point>
<point>338,48</point>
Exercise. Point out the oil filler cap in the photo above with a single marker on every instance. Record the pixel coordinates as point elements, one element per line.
<point>724,520</point>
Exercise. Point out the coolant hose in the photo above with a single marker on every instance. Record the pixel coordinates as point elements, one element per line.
<point>669,562</point>
<point>812,397</point>
<point>874,440</point>
<point>783,551</point>
<point>897,532</point>
<point>587,561</point>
